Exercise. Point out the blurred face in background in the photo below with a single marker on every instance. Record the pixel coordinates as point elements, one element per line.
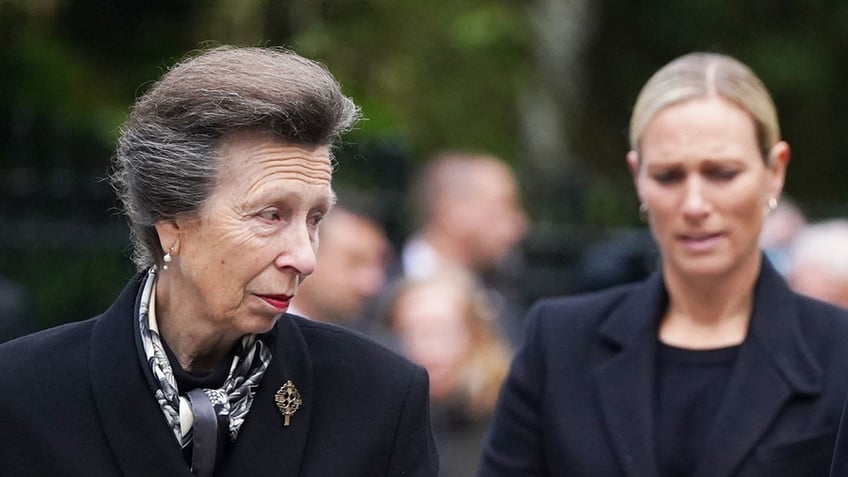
<point>814,280</point>
<point>430,320</point>
<point>701,174</point>
<point>487,215</point>
<point>350,270</point>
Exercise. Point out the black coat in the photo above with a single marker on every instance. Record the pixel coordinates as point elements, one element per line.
<point>579,397</point>
<point>74,402</point>
<point>840,453</point>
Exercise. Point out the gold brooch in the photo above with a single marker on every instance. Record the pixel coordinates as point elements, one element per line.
<point>288,400</point>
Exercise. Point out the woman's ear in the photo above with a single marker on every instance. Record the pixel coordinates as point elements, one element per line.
<point>169,235</point>
<point>633,163</point>
<point>778,161</point>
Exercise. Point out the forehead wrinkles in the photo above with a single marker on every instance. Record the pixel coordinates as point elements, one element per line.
<point>308,172</point>
<point>255,162</point>
<point>298,167</point>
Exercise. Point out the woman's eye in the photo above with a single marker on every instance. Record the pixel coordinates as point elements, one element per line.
<point>270,214</point>
<point>315,219</point>
<point>722,174</point>
<point>668,177</point>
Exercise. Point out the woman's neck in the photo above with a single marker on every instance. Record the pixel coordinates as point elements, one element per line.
<point>196,346</point>
<point>194,351</point>
<point>708,312</point>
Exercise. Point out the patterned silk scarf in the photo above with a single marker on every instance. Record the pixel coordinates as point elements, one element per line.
<point>231,402</point>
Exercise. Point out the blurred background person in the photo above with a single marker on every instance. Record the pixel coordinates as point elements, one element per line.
<point>626,256</point>
<point>779,230</point>
<point>712,366</point>
<point>818,261</point>
<point>469,215</point>
<point>350,269</point>
<point>444,323</point>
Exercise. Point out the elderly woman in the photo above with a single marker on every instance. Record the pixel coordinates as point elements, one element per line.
<point>224,169</point>
<point>712,366</point>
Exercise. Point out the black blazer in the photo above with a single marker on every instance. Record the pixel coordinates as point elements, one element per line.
<point>74,402</point>
<point>578,400</point>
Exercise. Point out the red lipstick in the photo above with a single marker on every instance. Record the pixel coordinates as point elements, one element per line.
<point>280,302</point>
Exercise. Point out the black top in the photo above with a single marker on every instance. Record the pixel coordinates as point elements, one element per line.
<point>689,389</point>
<point>214,379</point>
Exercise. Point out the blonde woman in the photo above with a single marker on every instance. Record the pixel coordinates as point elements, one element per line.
<point>711,367</point>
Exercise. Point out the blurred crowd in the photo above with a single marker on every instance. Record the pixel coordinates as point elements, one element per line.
<point>450,297</point>
<point>813,256</point>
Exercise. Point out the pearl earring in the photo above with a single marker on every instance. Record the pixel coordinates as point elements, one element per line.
<point>643,213</point>
<point>167,259</point>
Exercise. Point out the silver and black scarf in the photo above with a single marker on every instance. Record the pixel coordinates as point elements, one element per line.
<point>231,402</point>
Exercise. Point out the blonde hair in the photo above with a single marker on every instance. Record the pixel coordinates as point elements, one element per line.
<point>484,366</point>
<point>700,75</point>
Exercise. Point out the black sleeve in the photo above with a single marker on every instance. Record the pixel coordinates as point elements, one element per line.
<point>513,446</point>
<point>414,453</point>
<point>839,466</point>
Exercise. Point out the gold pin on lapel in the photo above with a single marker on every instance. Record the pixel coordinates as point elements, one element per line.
<point>288,400</point>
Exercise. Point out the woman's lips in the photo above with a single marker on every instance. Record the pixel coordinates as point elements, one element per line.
<point>280,302</point>
<point>700,242</point>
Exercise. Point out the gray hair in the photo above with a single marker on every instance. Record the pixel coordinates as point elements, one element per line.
<point>166,162</point>
<point>699,75</point>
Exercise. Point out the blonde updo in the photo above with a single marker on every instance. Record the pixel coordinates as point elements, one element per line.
<point>699,75</point>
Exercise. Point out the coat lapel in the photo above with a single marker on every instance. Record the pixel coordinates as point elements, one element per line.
<point>134,425</point>
<point>265,446</point>
<point>625,381</point>
<point>773,364</point>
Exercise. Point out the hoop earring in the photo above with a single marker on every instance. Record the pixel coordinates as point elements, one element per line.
<point>643,212</point>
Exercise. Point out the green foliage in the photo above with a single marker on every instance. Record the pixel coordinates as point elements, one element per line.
<point>67,285</point>
<point>441,73</point>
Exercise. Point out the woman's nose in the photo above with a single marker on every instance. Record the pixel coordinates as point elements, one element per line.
<point>695,203</point>
<point>297,251</point>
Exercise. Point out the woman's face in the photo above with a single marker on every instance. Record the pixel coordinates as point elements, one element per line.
<point>430,321</point>
<point>238,264</point>
<point>702,177</point>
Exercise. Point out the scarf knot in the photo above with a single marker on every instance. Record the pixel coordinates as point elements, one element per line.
<point>188,413</point>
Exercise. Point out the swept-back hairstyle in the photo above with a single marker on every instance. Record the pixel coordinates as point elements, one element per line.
<point>166,162</point>
<point>698,75</point>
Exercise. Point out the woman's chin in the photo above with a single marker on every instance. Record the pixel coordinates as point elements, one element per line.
<point>259,324</point>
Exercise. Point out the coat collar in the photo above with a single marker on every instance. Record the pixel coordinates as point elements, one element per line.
<point>625,379</point>
<point>265,446</point>
<point>774,362</point>
<point>136,429</point>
